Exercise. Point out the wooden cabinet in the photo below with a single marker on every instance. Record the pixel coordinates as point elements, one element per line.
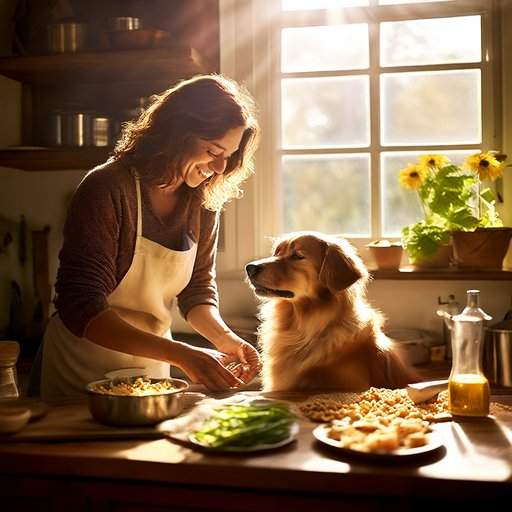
<point>106,81</point>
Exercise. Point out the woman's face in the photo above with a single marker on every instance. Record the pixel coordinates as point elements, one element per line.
<point>208,157</point>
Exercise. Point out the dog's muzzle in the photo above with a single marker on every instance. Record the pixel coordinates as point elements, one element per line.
<point>253,270</point>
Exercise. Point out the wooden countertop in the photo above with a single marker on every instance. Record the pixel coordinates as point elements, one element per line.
<point>474,463</point>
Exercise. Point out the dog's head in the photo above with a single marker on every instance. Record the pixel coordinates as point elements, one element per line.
<point>306,264</point>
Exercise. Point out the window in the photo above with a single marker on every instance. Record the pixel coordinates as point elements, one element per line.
<point>363,92</point>
<point>350,91</point>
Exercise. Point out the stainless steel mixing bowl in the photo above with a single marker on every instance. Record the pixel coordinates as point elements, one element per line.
<point>132,410</point>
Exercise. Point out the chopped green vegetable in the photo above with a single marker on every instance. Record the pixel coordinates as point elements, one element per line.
<point>246,425</point>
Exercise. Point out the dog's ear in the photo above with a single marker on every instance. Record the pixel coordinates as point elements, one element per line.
<point>338,271</point>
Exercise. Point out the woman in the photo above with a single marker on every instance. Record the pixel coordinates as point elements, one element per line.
<point>142,230</point>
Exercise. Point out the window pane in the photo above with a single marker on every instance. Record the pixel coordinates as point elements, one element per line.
<point>323,48</point>
<point>401,206</point>
<point>437,107</point>
<point>325,112</point>
<point>329,193</point>
<point>297,5</point>
<point>435,41</point>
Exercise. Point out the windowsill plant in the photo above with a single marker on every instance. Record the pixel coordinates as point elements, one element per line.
<point>453,199</point>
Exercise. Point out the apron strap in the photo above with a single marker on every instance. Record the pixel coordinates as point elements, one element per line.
<point>139,207</point>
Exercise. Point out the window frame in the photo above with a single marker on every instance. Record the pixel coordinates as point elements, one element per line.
<point>250,53</point>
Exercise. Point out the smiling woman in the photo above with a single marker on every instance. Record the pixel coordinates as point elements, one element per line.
<point>141,231</point>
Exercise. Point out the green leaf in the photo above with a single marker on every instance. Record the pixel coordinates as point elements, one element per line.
<point>487,195</point>
<point>462,219</point>
<point>423,239</point>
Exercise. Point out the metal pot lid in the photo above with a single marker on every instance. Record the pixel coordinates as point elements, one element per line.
<point>505,325</point>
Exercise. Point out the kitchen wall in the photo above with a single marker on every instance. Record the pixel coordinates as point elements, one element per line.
<point>41,197</point>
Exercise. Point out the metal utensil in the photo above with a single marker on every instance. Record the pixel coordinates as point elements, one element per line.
<point>132,410</point>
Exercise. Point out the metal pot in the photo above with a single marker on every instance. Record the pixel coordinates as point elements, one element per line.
<point>67,37</point>
<point>132,410</point>
<point>100,131</point>
<point>125,23</point>
<point>413,344</point>
<point>498,353</point>
<point>70,128</point>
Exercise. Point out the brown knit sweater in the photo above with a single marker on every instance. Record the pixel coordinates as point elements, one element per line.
<point>99,241</point>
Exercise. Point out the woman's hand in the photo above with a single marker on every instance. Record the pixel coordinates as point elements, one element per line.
<point>240,350</point>
<point>205,366</point>
<point>206,320</point>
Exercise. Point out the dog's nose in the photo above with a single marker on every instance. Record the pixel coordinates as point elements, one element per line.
<point>252,270</point>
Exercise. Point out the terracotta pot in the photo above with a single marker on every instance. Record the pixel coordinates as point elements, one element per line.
<point>482,248</point>
<point>440,259</point>
<point>386,257</point>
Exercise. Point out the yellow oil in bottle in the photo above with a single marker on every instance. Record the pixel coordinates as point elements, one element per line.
<point>468,395</point>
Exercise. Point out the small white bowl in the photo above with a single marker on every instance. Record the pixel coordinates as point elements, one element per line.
<point>13,419</point>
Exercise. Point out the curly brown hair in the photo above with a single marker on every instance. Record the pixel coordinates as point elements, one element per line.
<point>205,106</point>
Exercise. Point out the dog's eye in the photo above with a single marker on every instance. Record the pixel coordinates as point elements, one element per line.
<point>297,256</point>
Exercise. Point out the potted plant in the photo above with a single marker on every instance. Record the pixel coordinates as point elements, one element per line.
<point>444,193</point>
<point>454,203</point>
<point>486,244</point>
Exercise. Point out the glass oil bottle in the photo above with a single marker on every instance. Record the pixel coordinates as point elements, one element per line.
<point>468,388</point>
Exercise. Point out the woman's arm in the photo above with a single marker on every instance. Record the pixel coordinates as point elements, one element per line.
<point>109,330</point>
<point>206,320</point>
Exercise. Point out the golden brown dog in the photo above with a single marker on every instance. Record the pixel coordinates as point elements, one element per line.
<point>317,330</point>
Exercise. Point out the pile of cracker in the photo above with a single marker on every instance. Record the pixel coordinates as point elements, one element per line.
<point>378,420</point>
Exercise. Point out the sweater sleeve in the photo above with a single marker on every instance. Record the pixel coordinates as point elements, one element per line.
<point>202,288</point>
<point>87,270</point>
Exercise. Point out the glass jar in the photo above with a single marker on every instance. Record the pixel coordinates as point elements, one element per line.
<point>9,352</point>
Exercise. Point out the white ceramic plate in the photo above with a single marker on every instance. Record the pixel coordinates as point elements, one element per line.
<point>434,442</point>
<point>294,430</point>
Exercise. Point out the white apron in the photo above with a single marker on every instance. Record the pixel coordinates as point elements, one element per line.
<point>143,298</point>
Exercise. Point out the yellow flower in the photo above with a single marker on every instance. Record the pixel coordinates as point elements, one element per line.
<point>433,161</point>
<point>486,165</point>
<point>412,176</point>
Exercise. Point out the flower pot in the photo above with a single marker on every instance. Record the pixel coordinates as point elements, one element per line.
<point>386,256</point>
<point>440,259</point>
<point>482,248</point>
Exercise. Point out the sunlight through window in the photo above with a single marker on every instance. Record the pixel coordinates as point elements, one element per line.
<point>365,91</point>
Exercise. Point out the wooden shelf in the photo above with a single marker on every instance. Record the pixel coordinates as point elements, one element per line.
<point>45,159</point>
<point>88,75</point>
<point>442,274</point>
<point>92,67</point>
